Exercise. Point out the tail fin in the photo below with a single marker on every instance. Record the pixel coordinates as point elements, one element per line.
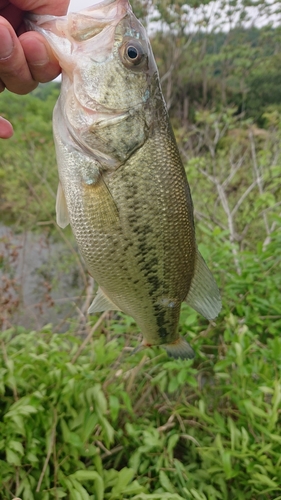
<point>179,349</point>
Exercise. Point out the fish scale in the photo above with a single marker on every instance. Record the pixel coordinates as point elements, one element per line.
<point>122,184</point>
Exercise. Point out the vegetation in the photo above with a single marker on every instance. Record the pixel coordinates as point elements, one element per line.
<point>94,423</point>
<point>79,417</point>
<point>27,162</point>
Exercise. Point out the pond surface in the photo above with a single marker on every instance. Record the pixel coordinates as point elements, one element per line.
<point>41,280</point>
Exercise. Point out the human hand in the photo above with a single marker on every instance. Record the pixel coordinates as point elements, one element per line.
<point>6,129</point>
<point>25,56</point>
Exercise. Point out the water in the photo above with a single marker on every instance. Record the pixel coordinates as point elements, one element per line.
<point>42,280</point>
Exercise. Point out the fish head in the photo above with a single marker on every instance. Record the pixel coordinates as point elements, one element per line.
<point>110,78</point>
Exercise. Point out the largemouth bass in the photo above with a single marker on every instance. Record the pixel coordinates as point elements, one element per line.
<point>122,185</point>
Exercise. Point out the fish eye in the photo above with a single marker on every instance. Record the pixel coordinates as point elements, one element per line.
<point>132,54</point>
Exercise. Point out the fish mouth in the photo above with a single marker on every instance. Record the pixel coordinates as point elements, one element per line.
<point>92,20</point>
<point>68,35</point>
<point>82,25</point>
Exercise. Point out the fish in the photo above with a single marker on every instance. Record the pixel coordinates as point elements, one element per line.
<point>122,184</point>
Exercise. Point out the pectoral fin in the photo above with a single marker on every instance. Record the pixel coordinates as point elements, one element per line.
<point>204,295</point>
<point>61,208</point>
<point>102,303</point>
<point>100,205</point>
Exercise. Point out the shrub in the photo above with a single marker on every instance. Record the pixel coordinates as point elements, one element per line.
<point>96,423</point>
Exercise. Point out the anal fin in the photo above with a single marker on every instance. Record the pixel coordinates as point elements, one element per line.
<point>61,208</point>
<point>102,303</point>
<point>204,295</point>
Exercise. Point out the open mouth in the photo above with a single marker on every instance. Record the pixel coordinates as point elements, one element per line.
<point>82,25</point>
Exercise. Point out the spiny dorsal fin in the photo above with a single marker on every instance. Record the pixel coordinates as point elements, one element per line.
<point>204,295</point>
<point>61,208</point>
<point>102,303</point>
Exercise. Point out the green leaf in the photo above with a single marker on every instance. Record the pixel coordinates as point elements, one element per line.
<point>158,496</point>
<point>78,488</point>
<point>16,446</point>
<point>108,430</point>
<point>263,479</point>
<point>58,493</point>
<point>90,475</point>
<point>165,482</point>
<point>97,396</point>
<point>86,475</point>
<point>19,424</point>
<point>12,457</point>
<point>22,410</point>
<point>172,441</point>
<point>32,458</point>
<point>125,475</point>
<point>197,495</point>
<point>114,406</point>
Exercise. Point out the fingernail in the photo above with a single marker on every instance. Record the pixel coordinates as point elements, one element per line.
<point>40,56</point>
<point>7,45</point>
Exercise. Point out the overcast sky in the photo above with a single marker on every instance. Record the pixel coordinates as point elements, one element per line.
<point>76,5</point>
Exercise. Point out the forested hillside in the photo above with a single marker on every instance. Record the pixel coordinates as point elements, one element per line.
<point>79,417</point>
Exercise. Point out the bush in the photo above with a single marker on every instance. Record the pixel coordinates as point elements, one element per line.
<point>96,423</point>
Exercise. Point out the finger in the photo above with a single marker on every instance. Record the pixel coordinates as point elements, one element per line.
<point>13,15</point>
<point>42,63</point>
<point>6,129</point>
<point>14,71</point>
<point>52,7</point>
